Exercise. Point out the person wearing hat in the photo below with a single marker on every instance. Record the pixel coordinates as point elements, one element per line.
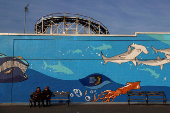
<point>47,95</point>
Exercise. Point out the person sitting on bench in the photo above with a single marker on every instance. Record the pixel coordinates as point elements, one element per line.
<point>37,96</point>
<point>46,95</point>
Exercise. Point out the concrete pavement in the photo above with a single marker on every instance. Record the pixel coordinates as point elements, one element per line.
<point>86,108</point>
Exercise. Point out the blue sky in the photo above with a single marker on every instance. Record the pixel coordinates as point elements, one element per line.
<point>119,16</point>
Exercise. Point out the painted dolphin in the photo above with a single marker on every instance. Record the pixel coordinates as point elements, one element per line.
<point>129,55</point>
<point>166,51</point>
<point>103,47</point>
<point>58,68</point>
<point>12,69</point>
<point>157,62</point>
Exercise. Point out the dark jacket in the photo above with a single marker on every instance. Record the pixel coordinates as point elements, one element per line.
<point>37,95</point>
<point>47,92</point>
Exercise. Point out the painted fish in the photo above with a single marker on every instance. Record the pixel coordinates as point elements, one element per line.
<point>166,51</point>
<point>9,71</point>
<point>77,51</point>
<point>157,62</point>
<point>103,47</point>
<point>153,73</point>
<point>58,68</point>
<point>129,55</point>
<point>98,81</point>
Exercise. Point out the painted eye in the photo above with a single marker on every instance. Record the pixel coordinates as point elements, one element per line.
<point>87,98</point>
<point>95,81</point>
<point>2,55</point>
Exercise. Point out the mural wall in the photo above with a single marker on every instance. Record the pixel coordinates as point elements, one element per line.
<point>92,68</point>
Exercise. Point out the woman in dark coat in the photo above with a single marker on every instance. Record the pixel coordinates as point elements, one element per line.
<point>37,96</point>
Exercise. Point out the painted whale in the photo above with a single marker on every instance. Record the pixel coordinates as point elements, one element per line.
<point>129,55</point>
<point>166,51</point>
<point>157,62</point>
<point>12,69</point>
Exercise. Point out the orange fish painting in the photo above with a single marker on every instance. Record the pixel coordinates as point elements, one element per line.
<point>109,94</point>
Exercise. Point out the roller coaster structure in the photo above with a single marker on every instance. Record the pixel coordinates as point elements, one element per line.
<point>63,23</point>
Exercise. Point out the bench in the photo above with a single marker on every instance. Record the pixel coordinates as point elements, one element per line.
<point>55,96</point>
<point>61,96</point>
<point>146,96</point>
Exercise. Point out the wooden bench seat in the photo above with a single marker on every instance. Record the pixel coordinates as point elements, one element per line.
<point>61,96</point>
<point>55,96</point>
<point>146,96</point>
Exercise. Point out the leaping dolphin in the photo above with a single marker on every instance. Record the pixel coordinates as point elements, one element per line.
<point>166,51</point>
<point>129,55</point>
<point>157,62</point>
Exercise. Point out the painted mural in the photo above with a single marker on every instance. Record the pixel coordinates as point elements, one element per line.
<point>58,68</point>
<point>92,68</point>
<point>12,69</point>
<point>95,81</point>
<point>129,55</point>
<point>109,94</point>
